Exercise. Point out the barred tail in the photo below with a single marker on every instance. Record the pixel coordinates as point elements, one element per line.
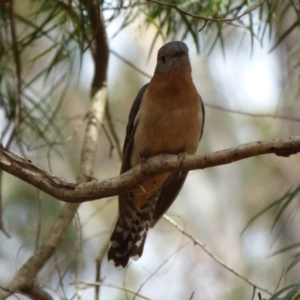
<point>128,237</point>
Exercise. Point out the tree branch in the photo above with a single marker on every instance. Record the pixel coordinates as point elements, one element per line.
<point>1,209</point>
<point>96,189</point>
<point>38,293</point>
<point>121,288</point>
<point>99,46</point>
<point>35,292</point>
<point>17,73</point>
<point>254,115</point>
<point>215,258</point>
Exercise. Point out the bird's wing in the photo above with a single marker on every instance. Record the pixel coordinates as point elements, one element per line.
<point>203,117</point>
<point>168,194</point>
<point>128,144</point>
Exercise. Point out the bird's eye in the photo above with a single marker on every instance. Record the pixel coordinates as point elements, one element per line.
<point>163,58</point>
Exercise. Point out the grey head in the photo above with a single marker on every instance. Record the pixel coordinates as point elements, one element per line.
<point>173,56</point>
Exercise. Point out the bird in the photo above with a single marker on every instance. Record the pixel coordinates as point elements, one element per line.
<point>167,116</point>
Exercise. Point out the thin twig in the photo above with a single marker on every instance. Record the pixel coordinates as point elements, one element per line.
<point>159,267</point>
<point>99,259</point>
<point>129,63</point>
<point>253,294</point>
<point>95,213</point>
<point>68,139</point>
<point>206,18</point>
<point>39,222</point>
<point>281,275</point>
<point>60,275</point>
<point>112,130</point>
<point>109,140</point>
<point>97,278</point>
<point>1,209</point>
<point>215,258</point>
<point>80,252</point>
<point>122,288</point>
<point>277,116</point>
<point>125,276</point>
<point>72,252</point>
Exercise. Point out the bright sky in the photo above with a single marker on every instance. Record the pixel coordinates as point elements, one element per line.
<point>249,82</point>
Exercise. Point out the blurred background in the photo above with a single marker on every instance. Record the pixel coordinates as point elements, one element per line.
<point>248,77</point>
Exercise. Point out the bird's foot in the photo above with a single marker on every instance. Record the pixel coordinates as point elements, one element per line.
<point>143,163</point>
<point>181,156</point>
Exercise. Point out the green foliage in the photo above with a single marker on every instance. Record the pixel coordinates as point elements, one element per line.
<point>280,11</point>
<point>48,45</point>
<point>290,292</point>
<point>280,205</point>
<point>171,24</point>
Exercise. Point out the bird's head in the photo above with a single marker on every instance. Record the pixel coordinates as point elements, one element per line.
<point>173,57</point>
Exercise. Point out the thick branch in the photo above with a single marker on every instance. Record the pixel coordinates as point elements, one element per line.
<point>97,189</point>
<point>99,47</point>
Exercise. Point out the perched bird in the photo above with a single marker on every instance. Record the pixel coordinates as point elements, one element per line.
<point>167,116</point>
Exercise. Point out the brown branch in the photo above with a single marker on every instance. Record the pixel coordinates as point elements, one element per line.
<point>38,293</point>
<point>98,263</point>
<point>99,44</point>
<point>112,130</point>
<point>17,78</point>
<point>96,189</point>
<point>1,209</point>
<point>17,73</point>
<point>100,51</point>
<point>215,258</point>
<point>35,292</point>
<point>248,11</point>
